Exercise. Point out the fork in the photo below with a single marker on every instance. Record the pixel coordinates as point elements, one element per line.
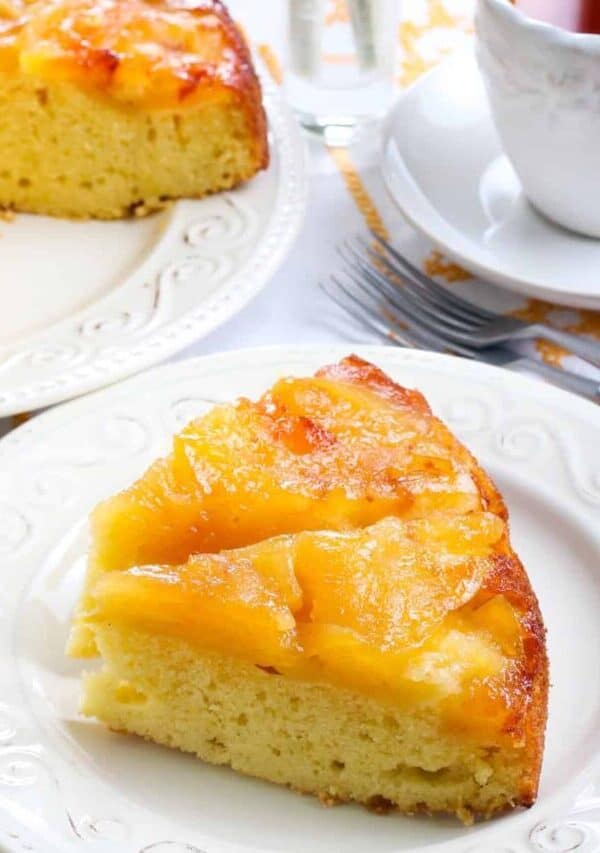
<point>374,308</point>
<point>447,313</point>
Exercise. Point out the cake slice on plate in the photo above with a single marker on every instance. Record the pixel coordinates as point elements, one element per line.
<point>345,616</point>
<point>112,108</point>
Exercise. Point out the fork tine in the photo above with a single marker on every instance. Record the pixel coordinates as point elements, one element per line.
<point>410,316</point>
<point>469,307</point>
<point>437,296</point>
<point>415,293</point>
<point>379,301</point>
<point>370,308</point>
<point>488,329</point>
<point>413,312</point>
<point>353,258</point>
<point>363,317</point>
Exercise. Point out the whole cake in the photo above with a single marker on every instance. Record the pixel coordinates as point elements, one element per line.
<point>319,589</point>
<point>112,107</point>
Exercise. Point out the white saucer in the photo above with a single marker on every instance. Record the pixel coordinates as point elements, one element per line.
<point>444,167</point>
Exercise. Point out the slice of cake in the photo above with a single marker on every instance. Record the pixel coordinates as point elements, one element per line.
<point>112,108</point>
<point>318,589</point>
<point>401,665</point>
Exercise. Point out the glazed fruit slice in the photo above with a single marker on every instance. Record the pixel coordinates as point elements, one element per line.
<point>398,609</point>
<point>241,601</point>
<point>427,626</point>
<point>337,451</point>
<point>139,52</point>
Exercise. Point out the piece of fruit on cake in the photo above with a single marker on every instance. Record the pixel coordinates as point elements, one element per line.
<point>336,451</point>
<point>112,107</point>
<point>401,665</point>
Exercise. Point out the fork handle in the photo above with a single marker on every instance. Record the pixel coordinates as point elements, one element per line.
<point>581,385</point>
<point>578,344</point>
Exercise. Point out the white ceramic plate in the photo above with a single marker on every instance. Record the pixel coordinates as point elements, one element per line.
<point>87,303</point>
<point>443,165</point>
<point>67,784</point>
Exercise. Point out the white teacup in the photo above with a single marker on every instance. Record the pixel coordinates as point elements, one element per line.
<point>543,85</point>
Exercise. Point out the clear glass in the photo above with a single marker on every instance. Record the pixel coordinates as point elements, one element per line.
<point>340,65</point>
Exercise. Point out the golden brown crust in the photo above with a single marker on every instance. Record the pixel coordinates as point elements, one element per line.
<point>357,371</point>
<point>247,85</point>
<point>529,681</point>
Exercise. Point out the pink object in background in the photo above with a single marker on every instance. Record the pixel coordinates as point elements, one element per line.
<point>579,16</point>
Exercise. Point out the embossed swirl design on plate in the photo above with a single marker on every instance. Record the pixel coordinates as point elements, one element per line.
<point>213,256</point>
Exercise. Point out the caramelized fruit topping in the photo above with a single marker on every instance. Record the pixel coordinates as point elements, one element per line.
<point>323,453</point>
<point>388,610</point>
<point>160,54</point>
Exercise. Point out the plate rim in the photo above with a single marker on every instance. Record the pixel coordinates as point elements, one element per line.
<point>534,386</point>
<point>568,405</point>
<point>427,224</point>
<point>281,230</point>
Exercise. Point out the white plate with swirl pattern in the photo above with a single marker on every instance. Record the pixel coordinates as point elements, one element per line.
<point>68,785</point>
<point>87,303</point>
